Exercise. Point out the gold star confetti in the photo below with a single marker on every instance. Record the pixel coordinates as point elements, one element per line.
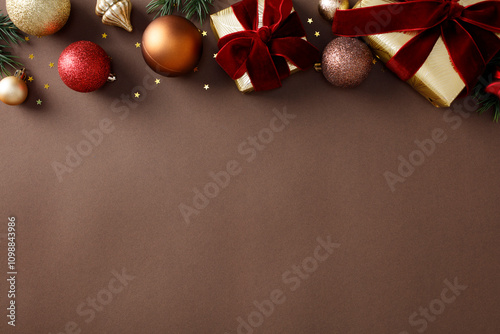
<point>204,33</point>
<point>215,55</point>
<point>137,95</point>
<point>26,38</point>
<point>51,65</point>
<point>316,34</point>
<point>30,79</point>
<point>39,102</point>
<point>137,45</point>
<point>195,69</point>
<point>157,81</point>
<point>46,86</point>
<point>31,56</point>
<point>206,87</point>
<point>310,21</point>
<point>104,36</point>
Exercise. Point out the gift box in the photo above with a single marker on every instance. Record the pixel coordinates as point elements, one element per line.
<point>439,47</point>
<point>261,42</point>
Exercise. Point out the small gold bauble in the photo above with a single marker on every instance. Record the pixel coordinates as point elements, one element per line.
<point>13,89</point>
<point>39,17</point>
<point>327,8</point>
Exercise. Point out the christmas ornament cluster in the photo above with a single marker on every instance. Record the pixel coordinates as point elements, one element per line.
<point>262,42</point>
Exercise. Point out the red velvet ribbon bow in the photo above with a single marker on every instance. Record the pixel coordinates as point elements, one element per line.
<point>263,52</point>
<point>467,32</point>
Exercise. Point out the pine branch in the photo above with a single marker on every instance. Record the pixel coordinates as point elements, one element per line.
<point>488,102</point>
<point>9,34</point>
<point>197,8</point>
<point>8,31</point>
<point>7,60</point>
<point>164,7</point>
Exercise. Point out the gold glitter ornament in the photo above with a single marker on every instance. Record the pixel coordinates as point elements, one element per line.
<point>39,17</point>
<point>115,13</point>
<point>346,62</point>
<point>13,89</point>
<point>327,8</point>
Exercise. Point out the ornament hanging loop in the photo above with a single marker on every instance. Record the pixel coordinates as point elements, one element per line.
<point>111,77</point>
<point>318,68</point>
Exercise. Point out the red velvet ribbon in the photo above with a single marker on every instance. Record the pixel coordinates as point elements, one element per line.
<point>263,52</point>
<point>467,32</point>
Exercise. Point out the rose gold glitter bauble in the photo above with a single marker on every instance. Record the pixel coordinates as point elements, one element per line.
<point>346,62</point>
<point>327,8</point>
<point>172,45</point>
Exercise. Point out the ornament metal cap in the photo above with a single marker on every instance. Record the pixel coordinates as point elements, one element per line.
<point>21,74</point>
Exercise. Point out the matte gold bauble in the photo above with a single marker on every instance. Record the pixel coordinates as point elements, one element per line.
<point>13,89</point>
<point>327,8</point>
<point>39,17</point>
<point>172,45</point>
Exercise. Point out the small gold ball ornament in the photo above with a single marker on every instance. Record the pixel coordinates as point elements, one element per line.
<point>13,89</point>
<point>327,8</point>
<point>39,17</point>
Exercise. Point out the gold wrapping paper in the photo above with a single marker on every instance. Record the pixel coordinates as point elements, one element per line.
<point>437,79</point>
<point>224,23</point>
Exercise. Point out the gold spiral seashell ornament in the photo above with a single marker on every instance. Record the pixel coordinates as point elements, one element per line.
<point>115,13</point>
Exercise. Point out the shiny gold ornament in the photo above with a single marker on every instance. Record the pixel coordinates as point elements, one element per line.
<point>327,8</point>
<point>39,17</point>
<point>115,13</point>
<point>172,45</point>
<point>13,89</point>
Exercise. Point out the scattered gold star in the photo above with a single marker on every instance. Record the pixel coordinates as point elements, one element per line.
<point>31,56</point>
<point>137,95</point>
<point>137,45</point>
<point>157,81</point>
<point>316,34</point>
<point>30,79</point>
<point>26,38</point>
<point>39,102</point>
<point>46,86</point>
<point>104,36</point>
<point>310,21</point>
<point>215,55</point>
<point>204,33</point>
<point>51,65</point>
<point>206,87</point>
<point>195,69</point>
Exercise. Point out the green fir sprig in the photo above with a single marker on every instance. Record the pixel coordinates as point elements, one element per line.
<point>191,8</point>
<point>485,101</point>
<point>197,8</point>
<point>8,35</point>
<point>164,7</point>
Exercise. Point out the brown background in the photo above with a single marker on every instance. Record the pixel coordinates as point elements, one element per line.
<point>322,176</point>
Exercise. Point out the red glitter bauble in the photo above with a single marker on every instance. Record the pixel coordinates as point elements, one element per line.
<point>84,66</point>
